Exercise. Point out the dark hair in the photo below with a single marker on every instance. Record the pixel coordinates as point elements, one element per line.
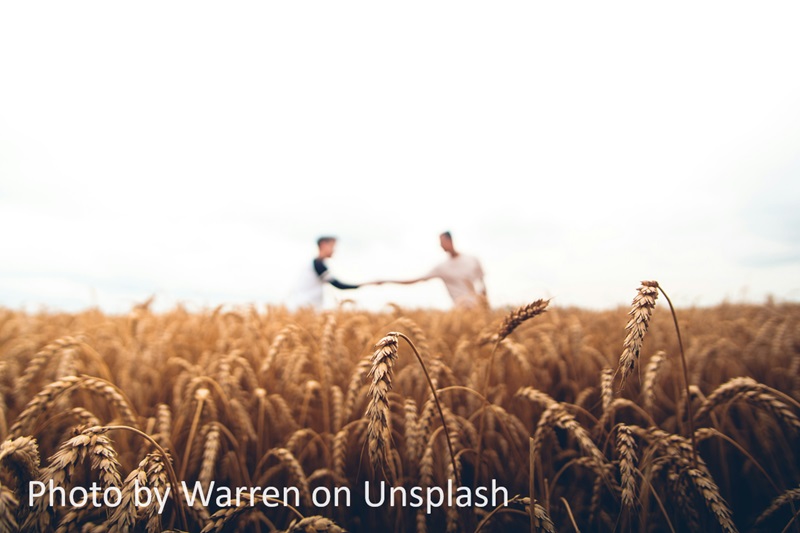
<point>446,234</point>
<point>325,238</point>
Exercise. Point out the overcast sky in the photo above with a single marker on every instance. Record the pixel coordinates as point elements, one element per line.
<point>195,150</point>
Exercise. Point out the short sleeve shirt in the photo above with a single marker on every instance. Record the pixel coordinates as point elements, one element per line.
<point>459,275</point>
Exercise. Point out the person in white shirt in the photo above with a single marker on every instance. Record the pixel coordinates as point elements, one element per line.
<point>308,289</point>
<point>462,275</point>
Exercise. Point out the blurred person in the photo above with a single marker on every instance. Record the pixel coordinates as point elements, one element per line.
<point>461,273</point>
<point>308,289</point>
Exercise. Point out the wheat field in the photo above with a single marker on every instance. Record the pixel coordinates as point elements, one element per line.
<point>584,418</point>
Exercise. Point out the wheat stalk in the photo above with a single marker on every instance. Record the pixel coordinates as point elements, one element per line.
<point>339,447</point>
<point>20,456</point>
<point>515,318</point>
<point>337,406</point>
<point>210,454</point>
<point>650,374</point>
<point>606,388</point>
<point>354,386</point>
<point>378,433</point>
<point>40,403</point>
<point>314,524</point>
<point>164,425</point>
<point>90,442</point>
<point>755,393</point>
<point>640,313</point>
<point>48,396</point>
<point>680,452</point>
<point>221,520</point>
<point>789,496</point>
<point>411,430</point>
<point>39,360</point>
<point>626,449</point>
<point>126,514</point>
<point>8,509</point>
<point>290,463</point>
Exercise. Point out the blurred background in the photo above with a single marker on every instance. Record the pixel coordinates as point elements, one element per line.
<point>195,151</point>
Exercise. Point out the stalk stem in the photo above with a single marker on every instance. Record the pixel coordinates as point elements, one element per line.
<point>438,407</point>
<point>690,415</point>
<point>486,383</point>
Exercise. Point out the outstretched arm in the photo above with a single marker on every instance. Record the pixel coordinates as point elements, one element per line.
<point>344,286</point>
<point>430,275</point>
<point>325,275</point>
<point>406,281</point>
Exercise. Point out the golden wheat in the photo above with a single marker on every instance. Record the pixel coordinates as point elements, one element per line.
<point>250,398</point>
<point>640,313</point>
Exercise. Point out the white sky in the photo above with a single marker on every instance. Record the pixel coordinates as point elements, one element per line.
<point>195,150</point>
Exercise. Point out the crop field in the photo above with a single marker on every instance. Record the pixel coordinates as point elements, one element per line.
<point>542,418</point>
